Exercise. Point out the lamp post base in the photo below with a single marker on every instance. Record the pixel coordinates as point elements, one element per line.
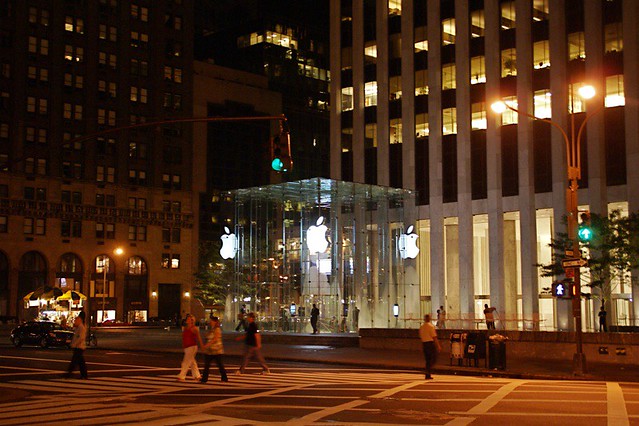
<point>579,364</point>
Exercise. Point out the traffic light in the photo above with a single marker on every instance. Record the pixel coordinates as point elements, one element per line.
<point>562,289</point>
<point>585,232</point>
<point>281,160</point>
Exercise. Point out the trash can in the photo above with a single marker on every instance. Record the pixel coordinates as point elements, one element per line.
<point>497,354</point>
<point>475,348</point>
<point>457,342</point>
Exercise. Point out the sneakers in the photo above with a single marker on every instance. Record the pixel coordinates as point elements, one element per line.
<point>238,373</point>
<point>266,372</point>
<point>225,379</point>
<point>179,379</point>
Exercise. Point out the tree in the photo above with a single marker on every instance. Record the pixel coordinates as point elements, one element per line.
<point>612,252</point>
<point>214,277</point>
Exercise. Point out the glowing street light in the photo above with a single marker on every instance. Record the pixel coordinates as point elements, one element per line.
<point>105,266</point>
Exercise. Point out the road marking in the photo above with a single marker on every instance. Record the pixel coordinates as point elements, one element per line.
<point>617,413</point>
<point>66,361</point>
<point>493,399</point>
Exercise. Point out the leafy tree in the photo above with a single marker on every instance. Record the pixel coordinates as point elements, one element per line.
<point>215,276</point>
<point>612,253</point>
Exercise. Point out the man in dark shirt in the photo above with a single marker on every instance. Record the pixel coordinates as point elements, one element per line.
<point>314,317</point>
<point>253,346</point>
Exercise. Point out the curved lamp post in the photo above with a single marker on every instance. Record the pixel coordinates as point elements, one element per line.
<point>105,262</point>
<point>573,167</point>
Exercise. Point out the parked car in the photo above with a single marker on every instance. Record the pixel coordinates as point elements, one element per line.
<point>41,333</point>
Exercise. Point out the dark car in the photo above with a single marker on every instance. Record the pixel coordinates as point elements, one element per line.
<point>41,333</point>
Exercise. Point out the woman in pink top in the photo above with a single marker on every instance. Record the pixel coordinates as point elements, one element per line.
<point>190,339</point>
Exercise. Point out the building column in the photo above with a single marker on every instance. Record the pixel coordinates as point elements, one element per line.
<point>383,130</point>
<point>408,95</point>
<point>336,90</point>
<point>359,97</point>
<point>452,271</point>
<point>510,275</point>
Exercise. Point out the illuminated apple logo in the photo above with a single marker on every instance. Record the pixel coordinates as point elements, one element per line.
<point>316,237</point>
<point>408,244</point>
<point>229,245</point>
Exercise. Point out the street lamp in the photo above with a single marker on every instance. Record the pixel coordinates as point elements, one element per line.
<point>105,261</point>
<point>573,168</point>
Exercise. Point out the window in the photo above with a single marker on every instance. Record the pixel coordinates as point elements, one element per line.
<point>477,24</point>
<point>477,70</point>
<point>27,226</point>
<point>137,233</point>
<point>170,235</point>
<point>508,15</point>
<point>176,207</point>
<point>173,74</point>
<point>347,99</point>
<point>139,67</point>
<point>4,224</point>
<point>73,53</point>
<point>394,7</point>
<point>449,73</point>
<point>137,177</point>
<point>421,125</point>
<point>71,228</point>
<point>541,54</point>
<point>478,117</point>
<point>449,121</point>
<point>576,46</point>
<point>508,62</point>
<point>170,261</point>
<point>139,40</point>
<point>36,45</point>
<point>72,112</point>
<point>138,94</point>
<point>542,104</point>
<point>110,231</point>
<point>40,226</point>
<point>105,174</point>
<point>73,24</point>
<point>370,93</point>
<point>614,91</point>
<point>395,87</point>
<point>171,181</point>
<point>395,131</point>
<point>613,34</point>
<point>540,10</point>
<point>421,82</point>
<point>448,31</point>
<point>99,230</point>
<point>509,116</point>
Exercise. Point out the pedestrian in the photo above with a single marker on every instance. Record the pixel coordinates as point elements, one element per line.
<point>241,317</point>
<point>63,322</point>
<point>79,344</point>
<point>252,346</point>
<point>314,317</point>
<point>490,316</point>
<point>602,319</point>
<point>430,344</point>
<point>441,319</point>
<point>213,350</point>
<point>190,340</point>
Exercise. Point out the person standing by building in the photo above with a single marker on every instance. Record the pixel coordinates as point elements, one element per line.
<point>441,320</point>
<point>490,316</point>
<point>190,340</point>
<point>213,350</point>
<point>253,346</point>
<point>430,344</point>
<point>79,344</point>
<point>314,317</point>
<point>241,318</point>
<point>603,326</point>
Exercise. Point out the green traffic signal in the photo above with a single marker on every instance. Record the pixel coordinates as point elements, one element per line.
<point>277,164</point>
<point>585,233</point>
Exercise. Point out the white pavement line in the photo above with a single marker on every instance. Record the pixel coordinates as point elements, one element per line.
<point>6,367</point>
<point>617,413</point>
<point>66,416</point>
<point>40,387</point>
<point>392,391</point>
<point>30,406</point>
<point>460,421</point>
<point>493,399</point>
<point>522,414</point>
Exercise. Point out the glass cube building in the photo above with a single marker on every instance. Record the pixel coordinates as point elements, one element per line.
<point>343,246</point>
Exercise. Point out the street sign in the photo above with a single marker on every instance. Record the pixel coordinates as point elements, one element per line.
<point>573,263</point>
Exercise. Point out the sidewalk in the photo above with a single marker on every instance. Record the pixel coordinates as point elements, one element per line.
<point>378,358</point>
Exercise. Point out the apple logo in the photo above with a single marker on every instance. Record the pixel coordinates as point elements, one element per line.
<point>229,245</point>
<point>408,244</point>
<point>316,237</point>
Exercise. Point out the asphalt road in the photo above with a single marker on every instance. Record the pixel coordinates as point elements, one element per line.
<point>136,387</point>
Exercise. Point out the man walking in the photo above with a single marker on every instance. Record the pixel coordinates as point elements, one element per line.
<point>603,326</point>
<point>314,317</point>
<point>79,344</point>
<point>253,346</point>
<point>213,350</point>
<point>430,344</point>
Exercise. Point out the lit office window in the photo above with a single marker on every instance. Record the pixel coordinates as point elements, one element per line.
<point>347,99</point>
<point>508,15</point>
<point>347,140</point>
<point>509,116</point>
<point>396,130</point>
<point>614,91</point>
<point>394,7</point>
<point>370,52</point>
<point>542,104</point>
<point>541,54</point>
<point>508,62</point>
<point>371,135</point>
<point>477,24</point>
<point>421,82</point>
<point>477,70</point>
<point>576,46</point>
<point>449,121</point>
<point>421,125</point>
<point>478,116</point>
<point>448,31</point>
<point>540,10</point>
<point>370,93</point>
<point>421,46</point>
<point>449,74</point>
<point>576,103</point>
<point>613,35</point>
